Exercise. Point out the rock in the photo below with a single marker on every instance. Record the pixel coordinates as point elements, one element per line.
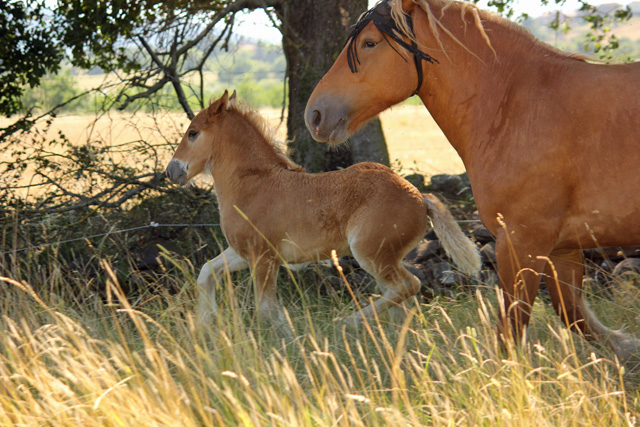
<point>481,234</point>
<point>417,180</point>
<point>417,271</point>
<point>629,265</point>
<point>431,235</point>
<point>453,278</point>
<point>451,185</point>
<point>426,249</point>
<point>441,272</point>
<point>631,252</point>
<point>448,184</point>
<point>488,254</point>
<point>614,254</point>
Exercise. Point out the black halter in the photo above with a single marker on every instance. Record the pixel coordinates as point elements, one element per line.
<point>380,15</point>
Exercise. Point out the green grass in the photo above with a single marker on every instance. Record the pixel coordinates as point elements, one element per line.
<point>108,360</point>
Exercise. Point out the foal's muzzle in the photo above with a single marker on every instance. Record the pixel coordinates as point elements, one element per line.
<point>176,172</point>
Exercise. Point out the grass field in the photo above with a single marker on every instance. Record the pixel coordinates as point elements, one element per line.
<point>74,350</point>
<point>109,361</point>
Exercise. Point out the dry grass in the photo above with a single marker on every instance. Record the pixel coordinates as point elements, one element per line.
<point>105,360</point>
<point>122,363</point>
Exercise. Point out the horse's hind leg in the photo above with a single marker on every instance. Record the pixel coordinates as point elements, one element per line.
<point>564,279</point>
<point>209,274</point>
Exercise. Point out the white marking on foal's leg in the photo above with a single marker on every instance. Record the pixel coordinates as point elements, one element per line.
<point>208,278</point>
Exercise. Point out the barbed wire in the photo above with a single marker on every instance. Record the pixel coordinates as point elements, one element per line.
<point>152,224</point>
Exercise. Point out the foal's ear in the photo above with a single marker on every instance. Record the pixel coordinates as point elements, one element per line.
<point>219,105</point>
<point>233,96</point>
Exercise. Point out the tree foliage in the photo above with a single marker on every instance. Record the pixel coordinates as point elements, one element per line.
<point>27,51</point>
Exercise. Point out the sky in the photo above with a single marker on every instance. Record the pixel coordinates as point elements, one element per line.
<point>257,25</point>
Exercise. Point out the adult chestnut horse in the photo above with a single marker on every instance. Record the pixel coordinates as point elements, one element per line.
<point>549,140</point>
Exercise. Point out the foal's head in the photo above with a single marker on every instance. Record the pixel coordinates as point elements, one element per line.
<point>194,152</point>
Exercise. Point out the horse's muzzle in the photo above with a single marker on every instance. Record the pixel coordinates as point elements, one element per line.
<point>327,122</point>
<point>176,172</point>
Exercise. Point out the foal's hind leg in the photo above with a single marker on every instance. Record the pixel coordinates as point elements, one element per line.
<point>566,295</point>
<point>209,274</point>
<point>398,286</point>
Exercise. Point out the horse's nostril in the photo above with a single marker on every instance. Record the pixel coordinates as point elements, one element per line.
<point>317,118</point>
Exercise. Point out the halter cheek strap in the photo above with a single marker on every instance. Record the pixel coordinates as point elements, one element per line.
<point>381,18</point>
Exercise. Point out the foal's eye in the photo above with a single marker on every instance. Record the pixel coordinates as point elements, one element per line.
<point>192,134</point>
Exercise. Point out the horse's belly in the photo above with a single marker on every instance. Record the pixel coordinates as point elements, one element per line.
<point>601,228</point>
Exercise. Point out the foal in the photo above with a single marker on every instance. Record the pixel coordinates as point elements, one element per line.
<point>273,212</point>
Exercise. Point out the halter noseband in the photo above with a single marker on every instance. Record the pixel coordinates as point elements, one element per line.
<point>381,18</point>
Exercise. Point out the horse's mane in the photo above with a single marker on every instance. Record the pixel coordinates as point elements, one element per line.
<point>266,130</point>
<point>479,16</point>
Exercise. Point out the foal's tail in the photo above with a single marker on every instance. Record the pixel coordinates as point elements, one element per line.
<point>458,246</point>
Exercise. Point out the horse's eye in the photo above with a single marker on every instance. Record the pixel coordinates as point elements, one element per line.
<point>368,44</point>
<point>192,134</point>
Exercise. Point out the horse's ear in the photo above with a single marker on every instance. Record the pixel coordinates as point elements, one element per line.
<point>233,96</point>
<point>407,6</point>
<point>219,105</point>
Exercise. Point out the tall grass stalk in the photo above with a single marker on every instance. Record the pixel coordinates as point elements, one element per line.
<point>113,361</point>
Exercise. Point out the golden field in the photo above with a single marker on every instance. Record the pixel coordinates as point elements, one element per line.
<point>412,136</point>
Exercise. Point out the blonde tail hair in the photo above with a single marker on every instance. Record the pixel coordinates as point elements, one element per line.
<point>456,244</point>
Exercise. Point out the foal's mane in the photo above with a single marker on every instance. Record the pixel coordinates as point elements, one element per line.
<point>266,130</point>
<point>479,16</point>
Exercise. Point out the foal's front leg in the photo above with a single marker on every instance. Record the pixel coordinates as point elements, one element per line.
<point>265,272</point>
<point>228,260</point>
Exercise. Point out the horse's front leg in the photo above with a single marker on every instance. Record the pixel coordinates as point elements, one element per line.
<point>520,262</point>
<point>228,260</point>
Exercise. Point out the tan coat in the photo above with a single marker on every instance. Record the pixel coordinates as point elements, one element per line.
<point>273,212</point>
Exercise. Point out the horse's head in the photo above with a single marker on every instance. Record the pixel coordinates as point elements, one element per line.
<point>195,149</point>
<point>377,68</point>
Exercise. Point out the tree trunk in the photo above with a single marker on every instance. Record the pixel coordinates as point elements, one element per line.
<point>314,33</point>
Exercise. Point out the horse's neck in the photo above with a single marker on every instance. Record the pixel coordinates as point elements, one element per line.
<point>464,91</point>
<point>240,153</point>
